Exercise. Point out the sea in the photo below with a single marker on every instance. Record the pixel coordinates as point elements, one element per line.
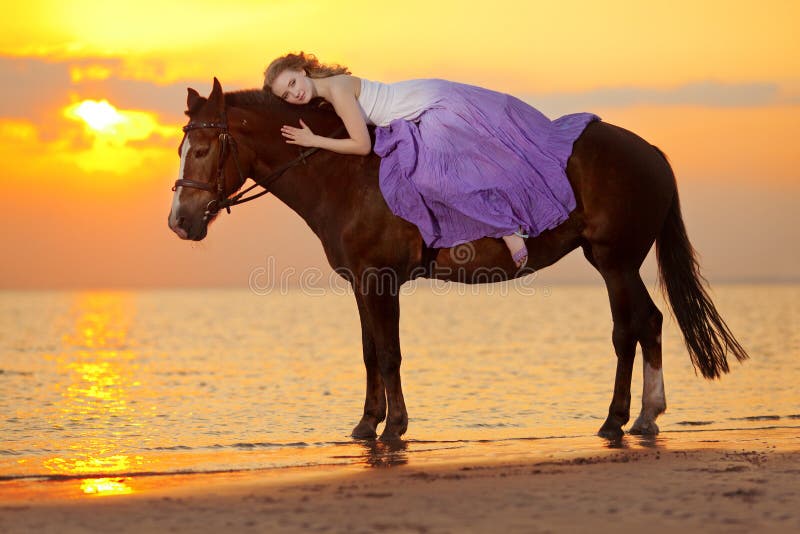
<point>104,388</point>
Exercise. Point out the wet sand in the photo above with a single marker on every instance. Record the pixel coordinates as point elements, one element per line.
<point>733,486</point>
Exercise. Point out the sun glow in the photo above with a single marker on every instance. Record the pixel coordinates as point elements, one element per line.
<point>116,136</point>
<point>100,116</point>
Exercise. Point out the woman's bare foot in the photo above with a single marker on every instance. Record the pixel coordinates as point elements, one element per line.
<point>516,245</point>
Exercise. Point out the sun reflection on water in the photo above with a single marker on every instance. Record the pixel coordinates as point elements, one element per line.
<point>95,397</point>
<point>106,486</point>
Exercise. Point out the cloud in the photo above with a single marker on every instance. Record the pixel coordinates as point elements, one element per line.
<point>708,94</point>
<point>46,135</point>
<point>40,98</point>
<point>168,101</point>
<point>36,90</point>
<point>30,86</point>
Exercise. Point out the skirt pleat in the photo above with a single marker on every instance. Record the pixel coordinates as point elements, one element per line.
<point>478,163</point>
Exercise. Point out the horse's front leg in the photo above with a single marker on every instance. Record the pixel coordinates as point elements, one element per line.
<point>382,307</point>
<point>375,401</point>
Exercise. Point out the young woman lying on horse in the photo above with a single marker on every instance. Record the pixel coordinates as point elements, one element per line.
<point>458,161</point>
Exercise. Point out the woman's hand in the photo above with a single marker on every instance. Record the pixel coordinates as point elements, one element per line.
<point>302,136</point>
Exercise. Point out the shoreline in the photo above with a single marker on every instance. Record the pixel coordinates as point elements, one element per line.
<point>711,484</point>
<point>265,458</point>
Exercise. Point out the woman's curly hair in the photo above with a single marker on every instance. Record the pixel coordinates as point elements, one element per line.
<point>307,62</point>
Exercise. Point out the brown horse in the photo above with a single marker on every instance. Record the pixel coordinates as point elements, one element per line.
<point>627,199</point>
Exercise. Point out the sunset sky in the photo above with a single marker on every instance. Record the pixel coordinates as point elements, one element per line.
<point>93,96</point>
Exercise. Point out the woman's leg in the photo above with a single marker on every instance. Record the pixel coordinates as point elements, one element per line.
<point>516,245</point>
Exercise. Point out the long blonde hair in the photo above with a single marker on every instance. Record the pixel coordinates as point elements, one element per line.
<point>307,62</point>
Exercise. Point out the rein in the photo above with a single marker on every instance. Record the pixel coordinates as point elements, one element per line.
<point>228,144</point>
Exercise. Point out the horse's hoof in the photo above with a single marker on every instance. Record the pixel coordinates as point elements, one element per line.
<point>393,432</point>
<point>644,428</point>
<point>388,435</point>
<point>610,432</point>
<point>364,430</point>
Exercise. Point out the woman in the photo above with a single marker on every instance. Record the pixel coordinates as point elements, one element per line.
<point>460,162</point>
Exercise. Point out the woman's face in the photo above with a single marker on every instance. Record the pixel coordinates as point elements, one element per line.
<point>293,86</point>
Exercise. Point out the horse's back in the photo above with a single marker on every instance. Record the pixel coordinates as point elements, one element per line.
<point>623,184</point>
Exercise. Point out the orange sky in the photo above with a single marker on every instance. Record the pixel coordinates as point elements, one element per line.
<point>93,97</point>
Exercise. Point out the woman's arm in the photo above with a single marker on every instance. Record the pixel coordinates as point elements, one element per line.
<point>344,102</point>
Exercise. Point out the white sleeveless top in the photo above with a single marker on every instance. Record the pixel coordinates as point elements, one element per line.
<point>381,103</point>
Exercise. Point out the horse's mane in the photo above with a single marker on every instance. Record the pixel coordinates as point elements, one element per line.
<point>249,98</point>
<point>270,105</point>
<point>258,98</point>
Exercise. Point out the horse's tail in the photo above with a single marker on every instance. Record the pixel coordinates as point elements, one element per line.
<point>706,334</point>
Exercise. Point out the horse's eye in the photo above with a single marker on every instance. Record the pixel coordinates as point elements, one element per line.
<point>201,153</point>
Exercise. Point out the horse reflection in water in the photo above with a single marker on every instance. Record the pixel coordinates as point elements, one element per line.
<point>385,453</point>
<point>627,200</point>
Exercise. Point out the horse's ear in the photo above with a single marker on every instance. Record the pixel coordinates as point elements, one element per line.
<point>193,101</point>
<point>191,98</point>
<point>217,97</point>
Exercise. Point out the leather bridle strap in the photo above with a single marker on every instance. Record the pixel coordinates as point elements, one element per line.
<point>228,145</point>
<point>267,181</point>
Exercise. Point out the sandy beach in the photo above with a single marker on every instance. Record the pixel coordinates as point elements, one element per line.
<point>724,488</point>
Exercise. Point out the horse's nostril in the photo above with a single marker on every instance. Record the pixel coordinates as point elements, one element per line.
<point>181,220</point>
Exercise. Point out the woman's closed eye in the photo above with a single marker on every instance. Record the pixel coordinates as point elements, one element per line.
<point>285,94</point>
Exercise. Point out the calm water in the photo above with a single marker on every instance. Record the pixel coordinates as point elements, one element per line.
<point>117,383</point>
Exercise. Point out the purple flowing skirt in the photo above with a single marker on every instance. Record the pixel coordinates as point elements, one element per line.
<point>478,163</point>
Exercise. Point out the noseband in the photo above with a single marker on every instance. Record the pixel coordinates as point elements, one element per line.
<point>227,145</point>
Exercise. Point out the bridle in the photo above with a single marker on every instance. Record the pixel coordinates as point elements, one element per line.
<point>228,145</point>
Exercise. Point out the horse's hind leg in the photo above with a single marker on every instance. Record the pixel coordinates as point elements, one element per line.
<point>654,402</point>
<point>375,401</point>
<point>631,309</point>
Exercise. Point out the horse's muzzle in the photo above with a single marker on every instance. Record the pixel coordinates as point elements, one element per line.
<point>184,229</point>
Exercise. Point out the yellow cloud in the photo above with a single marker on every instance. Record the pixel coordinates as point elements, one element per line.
<point>90,72</point>
<point>17,131</point>
<point>112,133</point>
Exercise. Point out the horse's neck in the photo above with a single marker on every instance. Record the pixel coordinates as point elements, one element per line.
<point>303,187</point>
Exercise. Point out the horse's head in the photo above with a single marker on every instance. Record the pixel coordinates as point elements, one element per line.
<point>208,170</point>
